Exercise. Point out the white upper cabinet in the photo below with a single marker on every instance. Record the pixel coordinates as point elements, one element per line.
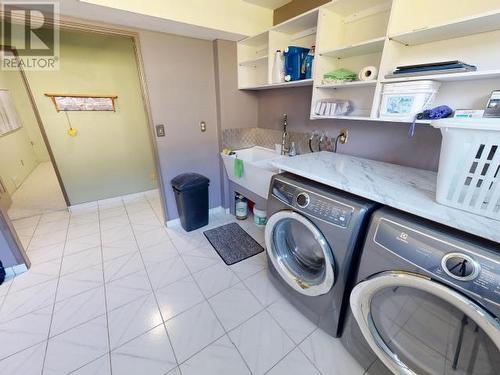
<point>256,54</point>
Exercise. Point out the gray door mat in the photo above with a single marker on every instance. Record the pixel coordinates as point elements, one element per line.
<point>232,243</point>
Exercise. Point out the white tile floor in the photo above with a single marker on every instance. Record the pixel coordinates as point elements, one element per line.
<point>112,291</point>
<point>38,194</point>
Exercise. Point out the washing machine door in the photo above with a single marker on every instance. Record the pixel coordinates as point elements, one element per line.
<point>417,326</point>
<point>300,253</point>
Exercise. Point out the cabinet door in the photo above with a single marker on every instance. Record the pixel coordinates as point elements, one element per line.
<point>5,200</point>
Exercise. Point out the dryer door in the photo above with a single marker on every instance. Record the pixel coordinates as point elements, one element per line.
<point>418,326</point>
<point>300,253</point>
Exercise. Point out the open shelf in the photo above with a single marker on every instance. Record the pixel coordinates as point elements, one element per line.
<point>362,48</point>
<point>347,117</point>
<point>355,8</point>
<point>367,118</point>
<point>353,34</point>
<point>253,62</point>
<point>485,22</point>
<point>347,84</point>
<point>450,77</point>
<point>300,25</point>
<point>303,82</point>
<point>255,41</point>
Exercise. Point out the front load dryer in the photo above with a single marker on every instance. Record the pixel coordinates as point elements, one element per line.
<point>426,300</point>
<point>313,236</point>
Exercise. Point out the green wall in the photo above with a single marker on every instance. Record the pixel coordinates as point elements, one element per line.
<point>111,155</point>
<point>18,157</point>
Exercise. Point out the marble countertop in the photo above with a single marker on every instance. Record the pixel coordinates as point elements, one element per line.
<point>407,189</point>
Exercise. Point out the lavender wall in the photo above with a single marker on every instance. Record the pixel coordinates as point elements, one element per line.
<point>11,250</point>
<point>388,142</point>
<point>235,108</point>
<point>181,83</point>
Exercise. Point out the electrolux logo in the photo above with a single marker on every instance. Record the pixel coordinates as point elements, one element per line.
<point>403,237</point>
<point>30,35</point>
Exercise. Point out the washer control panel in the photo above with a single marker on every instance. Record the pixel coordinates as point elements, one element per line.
<point>303,200</point>
<point>313,204</point>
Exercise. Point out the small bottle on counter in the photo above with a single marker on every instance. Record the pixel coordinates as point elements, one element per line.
<point>293,149</point>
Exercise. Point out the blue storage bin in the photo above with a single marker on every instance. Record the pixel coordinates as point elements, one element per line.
<point>294,63</point>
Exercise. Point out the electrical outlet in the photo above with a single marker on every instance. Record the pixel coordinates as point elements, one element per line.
<point>203,126</point>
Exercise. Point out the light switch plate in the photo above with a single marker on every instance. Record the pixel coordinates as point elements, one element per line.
<point>160,130</point>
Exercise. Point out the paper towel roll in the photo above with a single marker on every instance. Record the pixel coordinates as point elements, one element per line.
<point>368,73</point>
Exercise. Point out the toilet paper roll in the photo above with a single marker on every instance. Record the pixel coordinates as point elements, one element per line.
<point>368,73</point>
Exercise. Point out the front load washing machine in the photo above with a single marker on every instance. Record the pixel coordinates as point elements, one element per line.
<point>313,236</point>
<point>426,300</point>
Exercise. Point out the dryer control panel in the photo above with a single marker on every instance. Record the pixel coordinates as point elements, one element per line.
<point>469,268</point>
<point>313,204</point>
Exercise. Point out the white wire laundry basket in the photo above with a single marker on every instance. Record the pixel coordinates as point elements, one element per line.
<point>469,166</point>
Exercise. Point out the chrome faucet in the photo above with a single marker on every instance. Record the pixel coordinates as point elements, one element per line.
<point>284,136</point>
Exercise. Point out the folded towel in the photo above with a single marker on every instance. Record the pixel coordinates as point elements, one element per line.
<point>238,168</point>
<point>340,75</point>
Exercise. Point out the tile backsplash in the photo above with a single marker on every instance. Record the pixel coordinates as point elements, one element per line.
<point>248,137</point>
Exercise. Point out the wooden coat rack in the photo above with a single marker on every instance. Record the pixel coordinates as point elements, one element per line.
<point>83,102</point>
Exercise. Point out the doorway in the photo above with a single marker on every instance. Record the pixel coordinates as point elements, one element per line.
<point>28,178</point>
<point>113,154</point>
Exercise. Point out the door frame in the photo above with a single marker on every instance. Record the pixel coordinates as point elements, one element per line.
<point>72,24</point>
<point>39,122</point>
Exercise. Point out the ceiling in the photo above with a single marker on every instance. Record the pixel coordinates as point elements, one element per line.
<point>81,10</point>
<point>269,4</point>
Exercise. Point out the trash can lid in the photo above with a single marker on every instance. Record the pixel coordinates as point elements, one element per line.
<point>188,181</point>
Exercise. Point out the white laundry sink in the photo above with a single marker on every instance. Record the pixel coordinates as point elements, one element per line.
<point>257,168</point>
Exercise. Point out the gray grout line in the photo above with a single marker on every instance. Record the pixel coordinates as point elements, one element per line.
<point>152,288</point>
<point>160,219</point>
<point>105,292</point>
<point>88,363</point>
<point>26,250</point>
<point>276,321</point>
<point>226,333</point>
<point>302,351</point>
<point>34,231</point>
<point>191,274</point>
<point>55,296</point>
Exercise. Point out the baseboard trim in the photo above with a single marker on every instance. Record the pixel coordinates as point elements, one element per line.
<point>11,272</point>
<point>215,210</point>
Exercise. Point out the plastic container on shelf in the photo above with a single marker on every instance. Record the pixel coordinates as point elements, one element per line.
<point>469,166</point>
<point>259,217</point>
<point>241,207</point>
<point>404,100</point>
<point>294,62</point>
